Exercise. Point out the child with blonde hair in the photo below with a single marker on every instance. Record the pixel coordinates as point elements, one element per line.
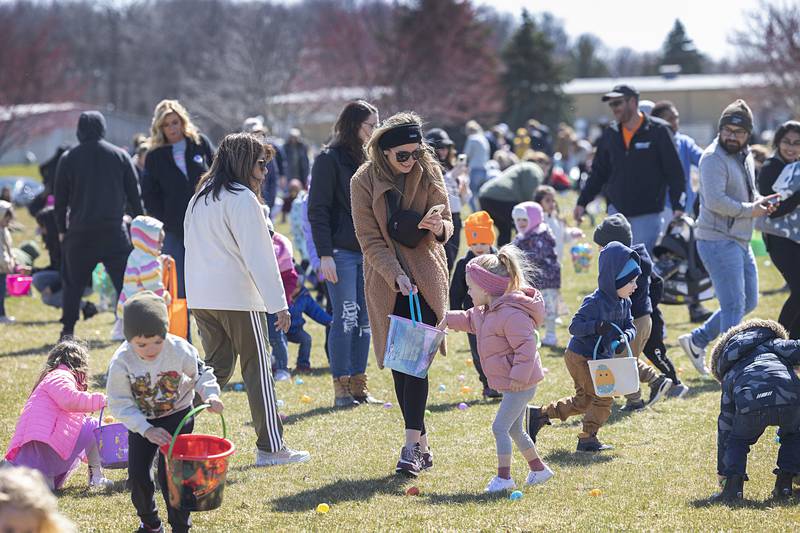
<point>54,431</point>
<point>504,319</point>
<point>27,504</point>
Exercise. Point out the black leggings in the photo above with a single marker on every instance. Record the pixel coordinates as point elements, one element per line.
<point>656,351</point>
<point>412,392</point>
<point>501,214</point>
<point>785,253</point>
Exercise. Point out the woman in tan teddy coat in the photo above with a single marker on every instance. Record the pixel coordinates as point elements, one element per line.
<point>402,181</point>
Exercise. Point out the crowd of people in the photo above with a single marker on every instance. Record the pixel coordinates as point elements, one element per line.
<point>185,229</point>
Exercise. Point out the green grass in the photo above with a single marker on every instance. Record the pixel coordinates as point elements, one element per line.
<point>657,478</point>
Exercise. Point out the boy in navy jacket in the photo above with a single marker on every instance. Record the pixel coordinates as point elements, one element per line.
<point>754,362</point>
<point>303,303</point>
<point>608,306</point>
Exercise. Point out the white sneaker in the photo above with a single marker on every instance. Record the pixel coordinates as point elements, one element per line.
<point>283,457</point>
<point>282,375</point>
<point>97,481</point>
<point>539,477</point>
<point>550,340</point>
<point>5,319</point>
<point>499,484</point>
<point>695,354</point>
<point>117,332</point>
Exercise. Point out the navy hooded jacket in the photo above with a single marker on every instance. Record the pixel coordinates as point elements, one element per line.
<point>604,305</point>
<point>753,361</point>
<point>640,299</point>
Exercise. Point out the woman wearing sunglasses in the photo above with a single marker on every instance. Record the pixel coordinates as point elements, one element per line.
<point>402,220</point>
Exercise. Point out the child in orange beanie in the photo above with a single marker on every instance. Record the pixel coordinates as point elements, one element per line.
<point>479,230</point>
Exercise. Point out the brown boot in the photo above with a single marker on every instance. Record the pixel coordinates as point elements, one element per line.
<point>341,392</point>
<point>358,386</point>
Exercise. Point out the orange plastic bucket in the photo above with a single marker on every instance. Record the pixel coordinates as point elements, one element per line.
<point>197,466</point>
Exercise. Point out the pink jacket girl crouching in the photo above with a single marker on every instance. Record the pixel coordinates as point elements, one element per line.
<point>507,337</point>
<point>54,413</point>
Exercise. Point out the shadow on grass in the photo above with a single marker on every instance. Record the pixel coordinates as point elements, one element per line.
<point>698,387</point>
<point>38,350</point>
<point>317,411</point>
<point>442,407</point>
<point>36,322</point>
<point>339,491</point>
<point>565,457</point>
<point>83,492</point>
<point>761,505</point>
<point>465,497</point>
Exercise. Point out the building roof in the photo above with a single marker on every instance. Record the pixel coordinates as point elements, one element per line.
<point>30,110</point>
<point>328,94</point>
<point>686,82</point>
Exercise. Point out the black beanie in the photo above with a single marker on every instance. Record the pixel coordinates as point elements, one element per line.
<point>613,228</point>
<point>737,114</point>
<point>145,314</point>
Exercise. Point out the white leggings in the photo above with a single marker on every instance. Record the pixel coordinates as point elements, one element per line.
<point>508,423</point>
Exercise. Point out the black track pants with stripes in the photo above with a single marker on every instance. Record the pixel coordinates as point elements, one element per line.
<point>228,334</point>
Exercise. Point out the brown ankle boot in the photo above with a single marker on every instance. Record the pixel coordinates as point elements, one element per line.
<point>342,396</point>
<point>358,386</point>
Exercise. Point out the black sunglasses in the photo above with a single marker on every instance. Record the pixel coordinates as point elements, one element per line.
<point>403,156</point>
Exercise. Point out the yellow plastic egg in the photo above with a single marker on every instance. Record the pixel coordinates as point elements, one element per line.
<point>305,398</point>
<point>595,492</point>
<point>323,508</point>
<point>466,390</point>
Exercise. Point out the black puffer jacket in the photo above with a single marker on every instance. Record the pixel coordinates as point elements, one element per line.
<point>94,181</point>
<point>329,211</point>
<point>754,361</point>
<point>165,189</point>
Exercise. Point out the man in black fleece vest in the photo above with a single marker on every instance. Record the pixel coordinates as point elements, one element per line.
<point>95,181</point>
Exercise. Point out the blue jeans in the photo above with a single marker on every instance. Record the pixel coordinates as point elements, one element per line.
<point>49,279</point>
<point>348,342</point>
<point>303,338</point>
<point>645,228</point>
<point>277,341</point>
<point>477,177</point>
<point>734,274</point>
<point>748,428</point>
<point>173,245</point>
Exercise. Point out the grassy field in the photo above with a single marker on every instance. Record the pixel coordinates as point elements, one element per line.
<point>657,478</point>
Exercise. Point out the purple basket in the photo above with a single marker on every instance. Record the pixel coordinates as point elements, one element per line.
<point>112,443</point>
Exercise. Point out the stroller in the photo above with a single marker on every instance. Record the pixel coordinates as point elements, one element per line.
<point>678,263</point>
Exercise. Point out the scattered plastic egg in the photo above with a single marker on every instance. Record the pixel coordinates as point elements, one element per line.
<point>110,420</point>
<point>323,508</point>
<point>466,389</point>
<point>516,495</point>
<point>305,398</point>
<point>282,416</point>
<point>238,387</point>
<point>428,412</point>
<point>595,492</point>
<point>442,387</point>
<point>412,491</point>
<point>387,405</point>
<point>280,403</point>
<point>468,362</point>
<point>461,377</point>
<point>462,406</point>
<point>299,381</point>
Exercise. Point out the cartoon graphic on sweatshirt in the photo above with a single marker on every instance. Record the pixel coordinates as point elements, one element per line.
<point>156,399</point>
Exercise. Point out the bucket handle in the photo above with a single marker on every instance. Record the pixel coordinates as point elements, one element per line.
<point>614,344</point>
<point>413,299</point>
<point>100,425</point>
<point>186,419</point>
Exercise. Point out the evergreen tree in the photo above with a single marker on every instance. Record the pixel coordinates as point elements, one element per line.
<point>585,61</point>
<point>679,49</point>
<point>533,78</point>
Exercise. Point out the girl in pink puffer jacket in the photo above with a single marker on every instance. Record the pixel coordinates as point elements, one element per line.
<point>54,431</point>
<point>505,317</point>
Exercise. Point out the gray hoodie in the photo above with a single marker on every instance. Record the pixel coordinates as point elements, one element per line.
<point>727,195</point>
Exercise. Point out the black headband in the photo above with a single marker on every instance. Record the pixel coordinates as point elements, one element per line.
<point>405,134</point>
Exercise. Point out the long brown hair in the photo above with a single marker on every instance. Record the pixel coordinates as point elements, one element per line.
<point>232,167</point>
<point>71,353</point>
<point>164,108</point>
<point>431,169</point>
<point>347,126</point>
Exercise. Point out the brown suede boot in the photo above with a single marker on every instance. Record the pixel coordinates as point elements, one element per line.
<point>358,386</point>
<point>342,397</point>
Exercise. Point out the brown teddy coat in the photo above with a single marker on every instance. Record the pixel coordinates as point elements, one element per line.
<point>427,262</point>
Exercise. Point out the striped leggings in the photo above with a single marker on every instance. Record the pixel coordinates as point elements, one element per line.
<point>228,334</point>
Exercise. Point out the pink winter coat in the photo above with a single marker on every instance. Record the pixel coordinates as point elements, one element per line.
<point>507,337</point>
<point>54,413</point>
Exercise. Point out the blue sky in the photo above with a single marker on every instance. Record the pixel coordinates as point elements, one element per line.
<point>642,25</point>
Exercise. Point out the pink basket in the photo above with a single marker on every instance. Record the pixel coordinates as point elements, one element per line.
<point>18,285</point>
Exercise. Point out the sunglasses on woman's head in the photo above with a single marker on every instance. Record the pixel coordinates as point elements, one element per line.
<point>403,155</point>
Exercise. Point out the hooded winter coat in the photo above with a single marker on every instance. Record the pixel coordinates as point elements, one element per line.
<point>603,305</point>
<point>427,262</point>
<point>95,181</point>
<point>7,262</point>
<point>144,270</point>
<point>507,337</point>
<point>641,305</point>
<point>539,245</point>
<point>753,361</point>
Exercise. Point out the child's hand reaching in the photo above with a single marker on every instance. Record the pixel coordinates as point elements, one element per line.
<point>216,405</point>
<point>620,342</point>
<point>158,436</point>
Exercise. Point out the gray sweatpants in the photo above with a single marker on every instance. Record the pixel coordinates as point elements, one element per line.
<point>508,424</point>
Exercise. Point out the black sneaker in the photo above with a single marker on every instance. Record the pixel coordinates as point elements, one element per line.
<point>536,421</point>
<point>783,485</point>
<point>149,529</point>
<point>489,392</point>
<point>592,444</point>
<point>659,389</point>
<point>426,460</point>
<point>699,314</point>
<point>631,407</point>
<point>410,462</point>
<point>89,310</point>
<point>732,490</point>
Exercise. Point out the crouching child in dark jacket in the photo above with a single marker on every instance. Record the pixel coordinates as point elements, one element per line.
<point>754,362</point>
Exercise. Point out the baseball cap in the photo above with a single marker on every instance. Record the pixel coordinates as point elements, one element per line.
<point>620,91</point>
